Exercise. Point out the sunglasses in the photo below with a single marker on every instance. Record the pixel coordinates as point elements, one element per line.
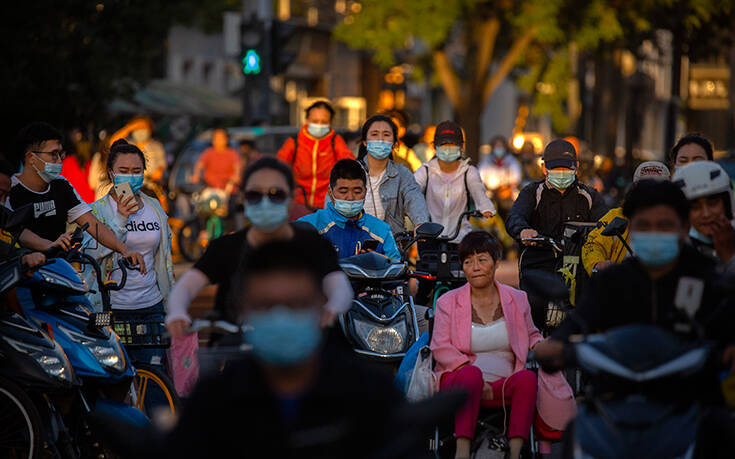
<point>274,195</point>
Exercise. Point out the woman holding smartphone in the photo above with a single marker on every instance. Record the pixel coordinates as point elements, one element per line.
<point>141,223</point>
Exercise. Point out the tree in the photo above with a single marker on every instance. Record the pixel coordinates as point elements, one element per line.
<point>64,62</point>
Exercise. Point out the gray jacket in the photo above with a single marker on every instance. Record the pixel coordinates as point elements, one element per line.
<point>401,196</point>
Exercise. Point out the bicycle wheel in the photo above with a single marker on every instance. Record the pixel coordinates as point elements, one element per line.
<point>20,424</point>
<point>149,378</point>
<point>191,244</point>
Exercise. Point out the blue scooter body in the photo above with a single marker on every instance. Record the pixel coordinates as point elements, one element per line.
<point>55,296</point>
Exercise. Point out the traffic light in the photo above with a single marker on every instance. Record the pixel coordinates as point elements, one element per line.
<point>251,62</point>
<point>281,53</point>
<point>254,45</point>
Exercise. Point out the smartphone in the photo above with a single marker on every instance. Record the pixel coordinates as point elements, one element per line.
<point>123,191</point>
<point>370,244</point>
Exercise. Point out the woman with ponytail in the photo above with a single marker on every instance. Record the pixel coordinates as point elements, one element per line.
<point>140,222</point>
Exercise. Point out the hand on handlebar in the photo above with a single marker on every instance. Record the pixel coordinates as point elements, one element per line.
<point>63,242</point>
<point>488,214</point>
<point>33,260</point>
<point>135,259</point>
<point>528,233</point>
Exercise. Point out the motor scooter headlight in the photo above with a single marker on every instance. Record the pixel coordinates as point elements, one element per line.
<point>108,353</point>
<point>52,361</point>
<point>382,339</point>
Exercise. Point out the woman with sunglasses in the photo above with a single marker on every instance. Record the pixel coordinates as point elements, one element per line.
<point>392,192</point>
<point>268,195</point>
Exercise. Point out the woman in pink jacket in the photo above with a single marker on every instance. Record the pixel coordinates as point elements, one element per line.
<point>482,334</point>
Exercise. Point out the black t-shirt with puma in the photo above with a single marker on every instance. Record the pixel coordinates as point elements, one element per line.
<point>52,208</point>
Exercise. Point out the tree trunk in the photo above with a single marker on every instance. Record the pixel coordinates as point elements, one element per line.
<point>470,118</point>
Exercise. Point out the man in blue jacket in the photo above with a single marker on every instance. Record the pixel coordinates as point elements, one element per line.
<point>343,221</point>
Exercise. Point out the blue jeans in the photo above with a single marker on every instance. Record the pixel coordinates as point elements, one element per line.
<point>144,326</point>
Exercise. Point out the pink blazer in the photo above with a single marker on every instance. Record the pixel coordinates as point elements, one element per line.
<point>450,346</point>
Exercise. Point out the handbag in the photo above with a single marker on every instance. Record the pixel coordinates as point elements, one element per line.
<point>184,362</point>
<point>422,383</point>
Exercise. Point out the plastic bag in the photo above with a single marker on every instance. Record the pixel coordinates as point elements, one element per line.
<point>422,384</point>
<point>184,362</point>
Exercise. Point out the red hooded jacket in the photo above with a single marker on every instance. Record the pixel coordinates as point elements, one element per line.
<point>313,162</point>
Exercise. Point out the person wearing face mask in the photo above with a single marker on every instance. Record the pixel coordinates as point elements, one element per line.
<point>544,206</point>
<point>668,282</point>
<point>451,184</point>
<point>313,153</point>
<point>141,223</point>
<point>392,192</point>
<point>139,132</point>
<point>343,220</point>
<point>710,193</point>
<point>299,395</point>
<point>402,154</point>
<point>268,190</point>
<point>55,202</point>
<point>501,173</point>
<point>690,148</point>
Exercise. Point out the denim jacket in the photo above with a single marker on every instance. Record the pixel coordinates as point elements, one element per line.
<point>401,197</point>
<point>107,258</point>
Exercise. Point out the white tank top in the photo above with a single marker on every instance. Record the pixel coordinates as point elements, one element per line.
<point>491,345</point>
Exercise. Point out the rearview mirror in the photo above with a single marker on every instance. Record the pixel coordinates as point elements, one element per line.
<point>616,227</point>
<point>429,230</point>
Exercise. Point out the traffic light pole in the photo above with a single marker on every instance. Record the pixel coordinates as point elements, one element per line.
<point>256,40</point>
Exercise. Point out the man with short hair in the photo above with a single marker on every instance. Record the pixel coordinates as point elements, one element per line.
<point>344,222</point>
<point>313,153</point>
<point>544,207</point>
<point>55,202</point>
<point>296,394</point>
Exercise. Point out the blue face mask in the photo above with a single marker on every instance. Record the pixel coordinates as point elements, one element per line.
<point>655,248</point>
<point>561,179</point>
<point>266,215</point>
<point>283,336</point>
<point>318,130</point>
<point>694,234</point>
<point>379,149</point>
<point>51,171</point>
<point>349,209</point>
<point>448,153</point>
<point>499,152</point>
<point>135,181</point>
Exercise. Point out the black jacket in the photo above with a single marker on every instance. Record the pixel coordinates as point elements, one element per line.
<point>624,294</point>
<point>344,414</point>
<point>545,209</point>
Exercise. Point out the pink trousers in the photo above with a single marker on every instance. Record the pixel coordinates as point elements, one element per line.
<point>520,393</point>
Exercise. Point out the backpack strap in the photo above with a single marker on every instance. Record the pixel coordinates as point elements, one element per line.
<point>426,185</point>
<point>470,201</point>
<point>539,192</point>
<point>295,149</point>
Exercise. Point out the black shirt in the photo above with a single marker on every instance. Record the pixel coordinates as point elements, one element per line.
<point>345,413</point>
<point>52,209</point>
<point>225,254</point>
<point>625,294</point>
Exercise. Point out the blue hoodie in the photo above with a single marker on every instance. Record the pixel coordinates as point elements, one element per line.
<point>345,234</point>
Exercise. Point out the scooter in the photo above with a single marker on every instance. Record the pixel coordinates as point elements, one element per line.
<point>35,374</point>
<point>382,324</point>
<point>54,299</point>
<point>636,404</point>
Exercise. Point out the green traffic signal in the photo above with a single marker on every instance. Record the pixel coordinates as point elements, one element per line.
<point>251,63</point>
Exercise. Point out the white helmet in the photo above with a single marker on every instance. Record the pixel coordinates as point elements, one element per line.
<point>704,178</point>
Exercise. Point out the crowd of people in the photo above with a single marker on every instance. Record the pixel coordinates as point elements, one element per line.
<point>282,274</point>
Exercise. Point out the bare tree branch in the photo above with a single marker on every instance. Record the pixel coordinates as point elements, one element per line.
<point>448,77</point>
<point>509,60</point>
